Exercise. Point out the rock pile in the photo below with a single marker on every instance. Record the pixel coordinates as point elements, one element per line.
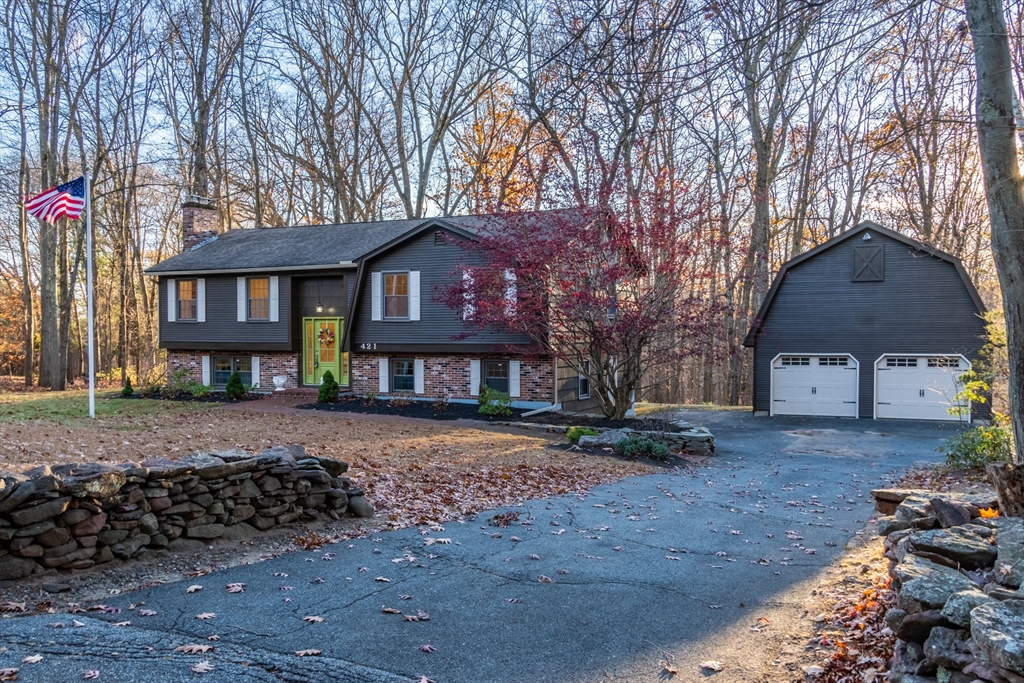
<point>697,440</point>
<point>960,613</point>
<point>76,516</point>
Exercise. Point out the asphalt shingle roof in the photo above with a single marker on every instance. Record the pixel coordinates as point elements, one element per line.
<point>317,245</point>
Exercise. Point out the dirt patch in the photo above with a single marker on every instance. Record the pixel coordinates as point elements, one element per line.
<point>442,410</point>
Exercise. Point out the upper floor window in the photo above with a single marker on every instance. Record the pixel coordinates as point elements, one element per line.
<point>187,299</point>
<point>396,295</point>
<point>259,298</point>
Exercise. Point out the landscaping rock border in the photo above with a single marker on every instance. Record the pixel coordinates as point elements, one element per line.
<point>959,616</point>
<point>690,439</point>
<point>76,516</point>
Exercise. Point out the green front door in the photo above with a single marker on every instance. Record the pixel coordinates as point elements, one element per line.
<point>321,341</point>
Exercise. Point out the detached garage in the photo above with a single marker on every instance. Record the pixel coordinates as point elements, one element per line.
<point>870,324</point>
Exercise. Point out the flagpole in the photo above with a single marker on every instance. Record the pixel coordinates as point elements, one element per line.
<point>88,295</point>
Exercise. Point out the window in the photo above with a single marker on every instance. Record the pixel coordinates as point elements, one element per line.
<point>223,366</point>
<point>944,362</point>
<point>403,375</point>
<point>396,295</point>
<point>901,362</point>
<point>496,375</point>
<point>259,298</point>
<point>187,298</point>
<point>832,360</point>
<point>584,385</point>
<point>796,360</point>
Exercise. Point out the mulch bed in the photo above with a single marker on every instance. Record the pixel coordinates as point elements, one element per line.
<point>466,411</point>
<point>212,397</point>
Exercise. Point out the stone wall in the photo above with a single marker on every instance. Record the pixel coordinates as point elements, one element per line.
<point>959,617</point>
<point>271,363</point>
<point>447,376</point>
<point>77,516</point>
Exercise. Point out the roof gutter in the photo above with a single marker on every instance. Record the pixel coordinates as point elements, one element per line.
<point>341,265</point>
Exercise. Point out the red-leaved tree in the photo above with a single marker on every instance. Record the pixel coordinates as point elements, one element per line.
<point>611,294</point>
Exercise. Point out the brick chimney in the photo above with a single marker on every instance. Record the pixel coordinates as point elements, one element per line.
<point>198,221</point>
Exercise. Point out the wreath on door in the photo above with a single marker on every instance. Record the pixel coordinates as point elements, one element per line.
<point>326,336</point>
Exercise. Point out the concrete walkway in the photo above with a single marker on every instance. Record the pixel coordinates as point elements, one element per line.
<point>606,586</point>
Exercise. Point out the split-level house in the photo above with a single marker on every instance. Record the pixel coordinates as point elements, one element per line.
<point>359,299</point>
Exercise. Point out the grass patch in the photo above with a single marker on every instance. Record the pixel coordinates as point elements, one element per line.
<point>73,406</point>
<point>647,409</point>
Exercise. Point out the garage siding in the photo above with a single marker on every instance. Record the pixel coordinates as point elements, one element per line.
<point>921,307</point>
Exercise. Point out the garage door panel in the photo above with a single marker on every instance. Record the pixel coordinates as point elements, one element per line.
<point>918,387</point>
<point>814,385</point>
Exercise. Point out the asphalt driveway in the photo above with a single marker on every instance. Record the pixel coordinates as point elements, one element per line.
<point>608,585</point>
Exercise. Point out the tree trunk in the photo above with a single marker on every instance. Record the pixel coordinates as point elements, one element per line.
<point>1008,481</point>
<point>996,128</point>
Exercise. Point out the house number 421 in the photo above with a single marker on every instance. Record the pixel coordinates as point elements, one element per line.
<point>368,347</point>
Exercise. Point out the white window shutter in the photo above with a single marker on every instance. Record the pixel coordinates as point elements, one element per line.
<point>468,305</point>
<point>376,308</point>
<point>385,372</point>
<point>418,371</point>
<point>172,301</point>
<point>511,293</point>
<point>513,378</point>
<point>201,300</point>
<point>243,308</point>
<point>474,377</point>
<point>414,295</point>
<point>255,372</point>
<point>206,370</point>
<point>274,299</point>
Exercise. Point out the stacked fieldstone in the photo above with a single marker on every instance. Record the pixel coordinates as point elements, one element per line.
<point>960,612</point>
<point>76,516</point>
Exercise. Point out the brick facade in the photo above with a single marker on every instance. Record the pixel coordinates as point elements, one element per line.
<point>271,363</point>
<point>447,376</point>
<point>198,221</point>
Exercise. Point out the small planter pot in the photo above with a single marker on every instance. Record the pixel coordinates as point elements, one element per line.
<point>279,382</point>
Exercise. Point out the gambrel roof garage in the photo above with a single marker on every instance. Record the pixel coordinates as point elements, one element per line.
<point>870,324</point>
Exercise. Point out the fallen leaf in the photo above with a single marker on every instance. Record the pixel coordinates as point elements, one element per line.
<point>405,597</point>
<point>236,588</point>
<point>424,679</point>
<point>534,557</point>
<point>813,670</point>
<point>382,579</point>
<point>711,665</point>
<point>147,612</point>
<point>203,667</point>
<point>517,601</point>
<point>194,649</point>
<point>410,617</point>
<point>390,610</point>
<point>32,659</point>
<point>122,623</point>
<point>307,653</point>
<point>8,674</point>
<point>213,638</point>
<point>194,588</point>
<point>91,673</point>
<point>313,619</point>
<point>671,671</point>
<point>545,579</point>
<point>206,615</point>
<point>281,574</point>
<point>428,648</point>
<point>77,624</point>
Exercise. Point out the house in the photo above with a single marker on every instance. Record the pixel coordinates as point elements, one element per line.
<point>870,324</point>
<point>357,299</point>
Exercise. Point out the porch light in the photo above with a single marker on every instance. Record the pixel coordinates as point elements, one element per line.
<point>319,307</point>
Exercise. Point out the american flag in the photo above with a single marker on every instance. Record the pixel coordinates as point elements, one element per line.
<point>64,200</point>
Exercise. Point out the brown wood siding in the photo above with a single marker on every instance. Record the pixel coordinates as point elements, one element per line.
<point>568,382</point>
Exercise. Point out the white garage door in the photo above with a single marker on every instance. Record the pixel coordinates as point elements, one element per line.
<point>814,385</point>
<point>918,387</point>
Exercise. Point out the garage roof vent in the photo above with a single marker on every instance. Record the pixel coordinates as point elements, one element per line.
<point>868,263</point>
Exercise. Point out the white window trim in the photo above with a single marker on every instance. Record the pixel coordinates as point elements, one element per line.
<point>243,299</point>
<point>384,371</point>
<point>419,383</point>
<point>581,376</point>
<point>206,370</point>
<point>172,300</point>
<point>275,299</point>
<point>514,370</point>
<point>414,295</point>
<point>254,371</point>
<point>376,297</point>
<point>474,377</point>
<point>201,300</point>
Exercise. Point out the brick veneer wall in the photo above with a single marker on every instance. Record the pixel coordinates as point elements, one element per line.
<point>271,363</point>
<point>198,221</point>
<point>447,376</point>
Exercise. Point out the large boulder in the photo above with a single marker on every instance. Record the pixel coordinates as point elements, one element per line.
<point>959,606</point>
<point>91,480</point>
<point>960,545</point>
<point>948,648</point>
<point>926,585</point>
<point>997,629</point>
<point>1010,561</point>
<point>358,506</point>
<point>950,513</point>
<point>604,439</point>
<point>15,567</point>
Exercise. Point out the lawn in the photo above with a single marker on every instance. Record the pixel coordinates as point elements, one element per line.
<point>414,471</point>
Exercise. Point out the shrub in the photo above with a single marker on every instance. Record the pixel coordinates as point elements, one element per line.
<point>634,447</point>
<point>199,390</point>
<point>328,392</point>
<point>234,389</point>
<point>179,384</point>
<point>978,446</point>
<point>439,404</point>
<point>575,433</point>
<point>127,390</point>
<point>494,402</point>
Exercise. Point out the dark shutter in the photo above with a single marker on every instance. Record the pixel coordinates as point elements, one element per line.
<point>868,263</point>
